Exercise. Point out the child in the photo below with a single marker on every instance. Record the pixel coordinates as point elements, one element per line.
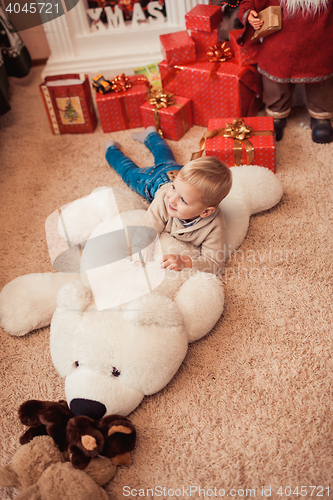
<point>188,209</point>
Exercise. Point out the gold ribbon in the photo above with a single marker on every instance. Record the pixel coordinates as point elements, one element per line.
<point>160,99</point>
<point>240,133</point>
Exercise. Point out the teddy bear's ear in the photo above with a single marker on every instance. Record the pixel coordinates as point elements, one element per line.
<point>153,308</point>
<point>74,296</point>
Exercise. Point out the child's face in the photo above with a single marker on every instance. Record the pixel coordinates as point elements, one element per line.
<point>184,201</point>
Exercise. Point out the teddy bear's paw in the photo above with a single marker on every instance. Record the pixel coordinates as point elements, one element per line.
<point>259,187</point>
<point>201,301</point>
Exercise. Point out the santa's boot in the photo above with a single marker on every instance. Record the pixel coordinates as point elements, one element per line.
<point>322,131</point>
<point>279,125</point>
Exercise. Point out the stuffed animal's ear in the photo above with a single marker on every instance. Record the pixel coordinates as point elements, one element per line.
<point>153,308</point>
<point>120,438</point>
<point>74,296</point>
<point>8,476</point>
<point>33,413</point>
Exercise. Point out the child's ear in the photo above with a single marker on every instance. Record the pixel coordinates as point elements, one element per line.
<point>208,211</point>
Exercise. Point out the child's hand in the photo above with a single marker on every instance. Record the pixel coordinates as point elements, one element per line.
<point>176,262</point>
<point>253,19</point>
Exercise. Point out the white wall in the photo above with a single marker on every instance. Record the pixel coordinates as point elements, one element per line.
<point>36,42</point>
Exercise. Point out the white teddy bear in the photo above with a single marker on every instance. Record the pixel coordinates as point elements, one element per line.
<point>113,353</point>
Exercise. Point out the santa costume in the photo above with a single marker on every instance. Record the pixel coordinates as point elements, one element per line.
<point>301,52</point>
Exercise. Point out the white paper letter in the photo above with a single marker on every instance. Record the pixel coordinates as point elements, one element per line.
<point>154,9</point>
<point>116,18</point>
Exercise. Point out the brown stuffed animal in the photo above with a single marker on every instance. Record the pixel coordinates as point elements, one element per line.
<point>83,438</point>
<point>39,471</point>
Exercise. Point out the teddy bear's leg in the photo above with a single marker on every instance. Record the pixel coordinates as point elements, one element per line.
<point>28,302</point>
<point>200,300</point>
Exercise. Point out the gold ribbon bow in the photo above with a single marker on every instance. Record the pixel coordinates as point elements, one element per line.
<point>121,83</point>
<point>240,133</point>
<point>160,99</point>
<point>217,54</point>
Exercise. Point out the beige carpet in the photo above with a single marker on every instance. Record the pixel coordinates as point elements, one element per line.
<point>251,406</point>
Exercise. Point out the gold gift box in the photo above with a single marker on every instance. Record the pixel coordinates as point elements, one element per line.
<point>272,17</point>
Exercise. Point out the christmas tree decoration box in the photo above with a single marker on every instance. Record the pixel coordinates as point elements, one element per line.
<point>262,141</point>
<point>203,18</point>
<point>243,54</point>
<point>204,40</point>
<point>215,89</point>
<point>174,121</point>
<point>68,104</point>
<point>121,110</point>
<point>177,48</point>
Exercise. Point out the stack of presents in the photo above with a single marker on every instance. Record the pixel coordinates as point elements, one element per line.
<point>204,82</point>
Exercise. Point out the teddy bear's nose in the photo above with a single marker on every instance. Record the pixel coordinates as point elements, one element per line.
<point>88,407</point>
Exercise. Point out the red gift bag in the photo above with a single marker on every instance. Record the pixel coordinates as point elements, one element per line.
<point>68,103</point>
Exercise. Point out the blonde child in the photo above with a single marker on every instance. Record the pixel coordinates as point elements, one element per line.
<point>188,208</point>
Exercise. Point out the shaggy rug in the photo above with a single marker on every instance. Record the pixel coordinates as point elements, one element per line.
<point>249,414</point>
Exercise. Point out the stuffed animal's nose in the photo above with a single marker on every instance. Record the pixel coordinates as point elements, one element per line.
<point>88,407</point>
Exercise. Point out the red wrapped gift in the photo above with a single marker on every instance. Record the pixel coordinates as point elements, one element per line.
<point>203,18</point>
<point>171,115</point>
<point>177,48</point>
<point>121,110</point>
<point>245,141</point>
<point>204,40</point>
<point>215,89</point>
<point>243,54</point>
<point>68,103</point>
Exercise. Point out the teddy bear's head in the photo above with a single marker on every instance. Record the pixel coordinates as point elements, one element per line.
<point>111,359</point>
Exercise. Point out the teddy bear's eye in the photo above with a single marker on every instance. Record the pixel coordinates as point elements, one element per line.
<point>76,364</point>
<point>115,372</point>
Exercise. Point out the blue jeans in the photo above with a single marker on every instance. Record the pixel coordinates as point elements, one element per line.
<point>145,181</point>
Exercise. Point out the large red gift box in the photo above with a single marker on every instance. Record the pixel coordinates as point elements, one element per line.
<point>204,40</point>
<point>261,138</point>
<point>177,48</point>
<point>121,110</point>
<point>203,17</point>
<point>215,90</point>
<point>68,104</point>
<point>174,121</point>
<point>243,54</point>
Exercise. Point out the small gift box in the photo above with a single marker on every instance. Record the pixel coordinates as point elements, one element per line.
<point>242,141</point>
<point>243,54</point>
<point>203,18</point>
<point>171,115</point>
<point>204,40</point>
<point>215,89</point>
<point>272,17</point>
<point>121,110</point>
<point>68,104</point>
<point>178,48</point>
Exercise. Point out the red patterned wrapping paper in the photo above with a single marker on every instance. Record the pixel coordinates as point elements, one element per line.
<point>264,145</point>
<point>83,118</point>
<point>232,92</point>
<point>243,54</point>
<point>121,110</point>
<point>178,48</point>
<point>204,40</point>
<point>175,121</point>
<point>203,18</point>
